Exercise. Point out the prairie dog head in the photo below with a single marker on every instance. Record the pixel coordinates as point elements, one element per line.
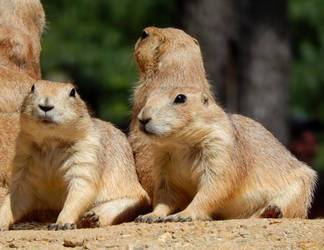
<point>172,114</point>
<point>54,110</point>
<point>161,47</point>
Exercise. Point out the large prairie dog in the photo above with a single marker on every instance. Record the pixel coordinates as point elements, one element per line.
<point>67,161</point>
<point>165,57</point>
<point>21,27</point>
<point>208,164</point>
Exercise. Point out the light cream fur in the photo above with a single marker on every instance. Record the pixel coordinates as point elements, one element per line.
<point>208,164</point>
<point>21,26</point>
<point>166,57</point>
<point>69,162</point>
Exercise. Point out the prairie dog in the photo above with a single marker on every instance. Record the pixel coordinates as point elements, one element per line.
<point>166,58</point>
<point>208,164</point>
<point>21,27</point>
<point>69,162</point>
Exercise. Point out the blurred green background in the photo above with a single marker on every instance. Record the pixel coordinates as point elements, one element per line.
<point>90,43</point>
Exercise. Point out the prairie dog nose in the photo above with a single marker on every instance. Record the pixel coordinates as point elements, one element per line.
<point>46,108</point>
<point>145,116</point>
<point>144,121</point>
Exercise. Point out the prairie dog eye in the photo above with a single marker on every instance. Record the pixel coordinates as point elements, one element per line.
<point>144,34</point>
<point>72,93</point>
<point>180,99</point>
<point>32,90</point>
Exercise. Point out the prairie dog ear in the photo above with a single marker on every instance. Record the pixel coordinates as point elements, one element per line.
<point>195,41</point>
<point>204,99</point>
<point>32,90</point>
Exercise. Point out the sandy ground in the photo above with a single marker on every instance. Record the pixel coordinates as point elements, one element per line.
<point>230,234</point>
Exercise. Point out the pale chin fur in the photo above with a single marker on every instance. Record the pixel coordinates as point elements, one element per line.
<point>159,130</point>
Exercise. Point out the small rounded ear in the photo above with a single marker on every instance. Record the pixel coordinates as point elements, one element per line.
<point>72,93</point>
<point>144,34</point>
<point>204,99</point>
<point>32,90</point>
<point>195,41</point>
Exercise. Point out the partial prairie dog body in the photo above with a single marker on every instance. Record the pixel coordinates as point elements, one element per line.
<point>69,162</point>
<point>166,58</point>
<point>21,27</point>
<point>208,164</point>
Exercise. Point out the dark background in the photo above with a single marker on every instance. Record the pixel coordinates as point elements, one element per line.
<point>265,59</point>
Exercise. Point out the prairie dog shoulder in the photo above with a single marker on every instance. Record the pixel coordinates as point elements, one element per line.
<point>213,165</point>
<point>21,27</point>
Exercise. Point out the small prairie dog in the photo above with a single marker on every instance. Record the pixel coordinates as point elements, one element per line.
<point>21,27</point>
<point>166,57</point>
<point>69,162</point>
<point>211,165</point>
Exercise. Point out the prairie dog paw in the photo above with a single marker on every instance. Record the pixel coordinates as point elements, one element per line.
<point>59,226</point>
<point>272,211</point>
<point>2,229</point>
<point>147,218</point>
<point>90,219</point>
<point>175,218</point>
<point>184,216</point>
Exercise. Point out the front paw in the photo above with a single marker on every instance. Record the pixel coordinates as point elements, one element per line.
<point>90,219</point>
<point>60,226</point>
<point>147,218</point>
<point>179,217</point>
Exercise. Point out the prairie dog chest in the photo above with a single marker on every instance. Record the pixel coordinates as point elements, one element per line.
<point>46,169</point>
<point>183,170</point>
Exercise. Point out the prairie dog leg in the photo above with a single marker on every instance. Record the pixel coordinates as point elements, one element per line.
<point>284,205</point>
<point>203,204</point>
<point>81,195</point>
<point>16,204</point>
<point>112,212</point>
<point>166,201</point>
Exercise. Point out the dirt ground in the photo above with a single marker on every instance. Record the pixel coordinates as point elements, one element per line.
<point>230,234</point>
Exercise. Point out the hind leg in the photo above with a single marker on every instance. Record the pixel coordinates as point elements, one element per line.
<point>291,202</point>
<point>113,212</point>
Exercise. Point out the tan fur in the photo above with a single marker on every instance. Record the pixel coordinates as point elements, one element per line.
<point>9,129</point>
<point>166,58</point>
<point>208,164</point>
<point>21,27</point>
<point>67,161</point>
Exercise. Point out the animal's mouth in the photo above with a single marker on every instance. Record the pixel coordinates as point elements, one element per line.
<point>47,121</point>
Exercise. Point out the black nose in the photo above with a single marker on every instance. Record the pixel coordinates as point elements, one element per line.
<point>45,108</point>
<point>144,121</point>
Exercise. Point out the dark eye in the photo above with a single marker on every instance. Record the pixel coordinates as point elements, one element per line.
<point>144,34</point>
<point>32,88</point>
<point>180,99</point>
<point>72,93</point>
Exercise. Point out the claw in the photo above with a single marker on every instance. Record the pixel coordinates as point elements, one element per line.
<point>145,219</point>
<point>272,211</point>
<point>90,219</point>
<point>57,226</point>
